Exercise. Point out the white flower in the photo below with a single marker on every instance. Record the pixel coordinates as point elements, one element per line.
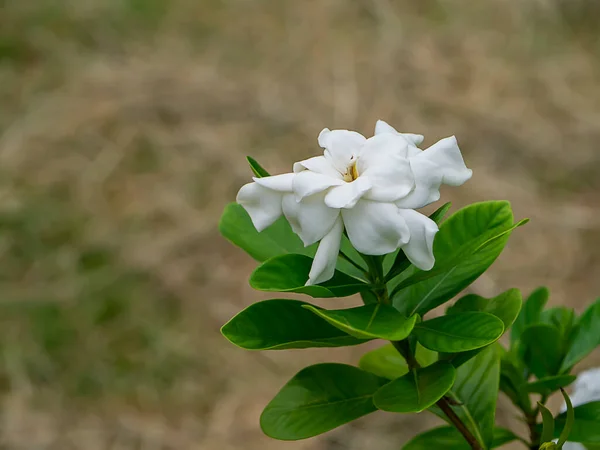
<point>369,187</point>
<point>585,390</point>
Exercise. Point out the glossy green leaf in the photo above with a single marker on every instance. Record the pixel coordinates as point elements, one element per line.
<point>417,390</point>
<point>386,362</point>
<point>547,424</point>
<point>257,169</point>
<point>548,385</point>
<point>374,321</point>
<point>319,398</point>
<point>400,261</point>
<point>459,332</point>
<point>505,306</point>
<point>467,244</point>
<point>586,337</point>
<point>289,273</point>
<point>283,324</point>
<point>476,389</point>
<point>448,438</point>
<point>541,349</point>
<point>586,428</point>
<point>530,313</point>
<point>278,239</point>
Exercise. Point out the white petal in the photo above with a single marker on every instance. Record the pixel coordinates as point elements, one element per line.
<point>318,164</point>
<point>416,139</point>
<point>323,266</point>
<point>307,183</point>
<point>341,147</point>
<point>281,183</point>
<point>375,228</point>
<point>346,195</point>
<point>419,249</point>
<point>383,160</point>
<point>310,218</point>
<point>440,163</point>
<point>262,205</point>
<point>384,127</point>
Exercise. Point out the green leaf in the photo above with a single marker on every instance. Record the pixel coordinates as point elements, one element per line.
<point>401,262</point>
<point>541,349</point>
<point>386,362</point>
<point>448,438</point>
<point>548,385</point>
<point>476,388</point>
<point>417,390</point>
<point>467,244</point>
<point>257,169</point>
<point>278,239</point>
<point>505,306</point>
<point>569,419</point>
<point>373,321</point>
<point>530,313</point>
<point>283,324</point>
<point>459,332</point>
<point>586,337</point>
<point>319,398</point>
<point>289,273</point>
<point>548,424</point>
<point>586,428</point>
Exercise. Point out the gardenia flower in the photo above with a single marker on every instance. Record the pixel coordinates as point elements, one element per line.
<point>369,187</point>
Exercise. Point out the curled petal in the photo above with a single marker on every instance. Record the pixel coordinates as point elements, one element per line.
<point>383,160</point>
<point>419,249</point>
<point>341,147</point>
<point>318,164</point>
<point>281,183</point>
<point>307,183</point>
<point>375,228</point>
<point>383,127</point>
<point>323,266</point>
<point>440,163</point>
<point>311,218</point>
<point>346,195</point>
<point>263,205</point>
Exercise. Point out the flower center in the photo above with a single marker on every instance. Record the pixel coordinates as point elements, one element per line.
<point>351,173</point>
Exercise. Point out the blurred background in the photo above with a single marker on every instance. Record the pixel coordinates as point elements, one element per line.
<point>123,130</point>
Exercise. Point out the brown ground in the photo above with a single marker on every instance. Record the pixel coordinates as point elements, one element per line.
<point>124,126</point>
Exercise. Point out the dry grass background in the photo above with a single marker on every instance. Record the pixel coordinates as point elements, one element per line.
<point>124,126</point>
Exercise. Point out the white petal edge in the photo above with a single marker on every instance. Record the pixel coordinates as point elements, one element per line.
<point>307,183</point>
<point>281,183</point>
<point>323,266</point>
<point>375,228</point>
<point>440,163</point>
<point>262,205</point>
<point>341,146</point>
<point>346,195</point>
<point>318,164</point>
<point>419,249</point>
<point>384,127</point>
<point>311,218</point>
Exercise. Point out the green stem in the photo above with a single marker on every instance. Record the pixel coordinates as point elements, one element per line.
<point>531,420</point>
<point>358,266</point>
<point>403,348</point>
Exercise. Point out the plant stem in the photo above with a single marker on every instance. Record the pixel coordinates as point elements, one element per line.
<point>403,348</point>
<point>531,420</point>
